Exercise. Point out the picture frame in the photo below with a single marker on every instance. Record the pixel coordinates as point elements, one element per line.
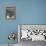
<point>10,13</point>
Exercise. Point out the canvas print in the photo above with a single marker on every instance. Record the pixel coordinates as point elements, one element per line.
<point>10,13</point>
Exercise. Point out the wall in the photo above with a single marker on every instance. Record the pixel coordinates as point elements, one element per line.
<point>31,11</point>
<point>6,26</point>
<point>27,12</point>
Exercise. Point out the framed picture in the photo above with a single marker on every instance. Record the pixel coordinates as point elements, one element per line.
<point>32,32</point>
<point>10,13</point>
